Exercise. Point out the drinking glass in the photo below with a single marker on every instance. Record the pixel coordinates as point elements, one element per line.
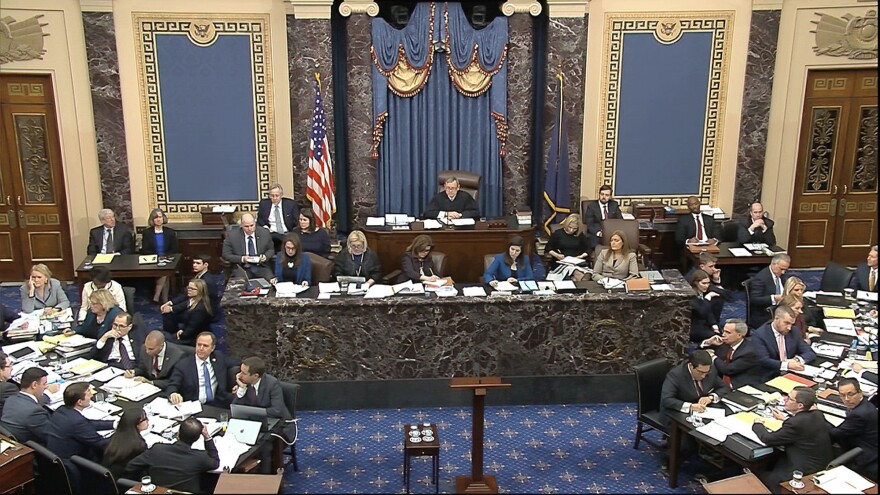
<point>147,485</point>
<point>797,479</point>
<point>99,397</point>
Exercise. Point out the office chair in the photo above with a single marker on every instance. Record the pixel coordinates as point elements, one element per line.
<point>468,182</point>
<point>95,478</point>
<point>836,277</point>
<point>649,381</point>
<point>53,476</point>
<point>291,430</point>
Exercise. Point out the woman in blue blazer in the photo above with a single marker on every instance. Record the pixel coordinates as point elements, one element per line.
<point>510,266</point>
<point>99,318</point>
<point>292,265</point>
<point>162,241</point>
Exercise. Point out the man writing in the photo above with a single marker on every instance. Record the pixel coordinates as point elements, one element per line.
<point>451,203</point>
<point>859,429</point>
<point>757,228</point>
<point>691,386</point>
<point>158,362</point>
<point>781,347</point>
<point>598,211</point>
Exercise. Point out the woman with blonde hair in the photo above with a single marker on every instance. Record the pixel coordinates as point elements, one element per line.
<point>811,314</point>
<point>616,261</point>
<point>568,240</point>
<point>41,291</point>
<point>99,318</point>
<point>189,315</point>
<point>357,260</point>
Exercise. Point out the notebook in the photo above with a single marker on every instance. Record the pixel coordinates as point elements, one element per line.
<point>244,431</point>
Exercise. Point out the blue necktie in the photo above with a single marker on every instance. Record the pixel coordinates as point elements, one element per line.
<point>252,250</point>
<point>209,394</point>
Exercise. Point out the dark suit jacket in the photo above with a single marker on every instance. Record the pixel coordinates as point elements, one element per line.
<point>704,314</point>
<point>743,366</point>
<point>859,429</point>
<point>768,351</point>
<point>289,213</point>
<point>149,245</point>
<point>25,418</point>
<point>191,320</point>
<point>463,203</point>
<point>173,354</point>
<point>410,268</point>
<point>90,326</point>
<point>185,379</point>
<point>371,268</point>
<point>678,388</point>
<point>860,279</point>
<point>270,396</point>
<point>136,336</point>
<point>176,465</point>
<point>122,240</point>
<point>7,316</point>
<point>761,290</point>
<point>806,441</point>
<point>234,245</point>
<point>7,390</point>
<point>767,237</point>
<point>70,434</point>
<point>593,219</point>
<point>686,228</point>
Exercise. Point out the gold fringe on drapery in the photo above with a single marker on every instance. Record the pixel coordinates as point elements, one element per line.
<point>404,79</point>
<point>501,132</point>
<point>378,132</point>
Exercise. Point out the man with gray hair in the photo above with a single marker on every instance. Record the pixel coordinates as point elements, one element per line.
<point>866,273</point>
<point>736,358</point>
<point>452,203</point>
<point>278,214</point>
<point>766,288</point>
<point>109,237</point>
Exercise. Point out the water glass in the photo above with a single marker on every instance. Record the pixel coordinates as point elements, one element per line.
<point>147,485</point>
<point>797,480</point>
<point>99,397</point>
<point>224,417</point>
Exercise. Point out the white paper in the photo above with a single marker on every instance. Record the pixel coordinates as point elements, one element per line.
<point>446,291</point>
<point>546,285</point>
<point>628,216</point>
<point>828,350</point>
<point>652,275</point>
<point>107,374</point>
<point>153,439</point>
<point>375,221</point>
<point>833,420</point>
<point>289,289</point>
<point>158,424</point>
<point>611,283</point>
<point>229,449</point>
<point>712,413</point>
<point>836,411</point>
<point>463,221</point>
<point>841,326</point>
<point>842,480</point>
<point>748,389</point>
<point>139,392</point>
<point>736,425</point>
<point>527,285</point>
<point>224,209</point>
<point>477,291</point>
<point>755,246</point>
<point>715,430</point>
<point>661,287</point>
<point>431,224</point>
<point>378,291</point>
<point>506,286</point>
<point>571,260</point>
<point>357,289</point>
<point>740,252</point>
<point>328,287</point>
<point>397,219</point>
<point>866,296</point>
<point>94,413</point>
<point>325,295</point>
<point>564,285</point>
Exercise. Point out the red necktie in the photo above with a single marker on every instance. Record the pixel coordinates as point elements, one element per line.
<point>727,358</point>
<point>605,211</point>
<point>699,228</point>
<point>251,396</point>
<point>156,365</point>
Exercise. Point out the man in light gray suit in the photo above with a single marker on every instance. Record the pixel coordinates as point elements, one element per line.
<point>250,246</point>
<point>23,414</point>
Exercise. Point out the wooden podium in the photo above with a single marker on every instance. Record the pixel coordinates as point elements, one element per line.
<point>477,482</point>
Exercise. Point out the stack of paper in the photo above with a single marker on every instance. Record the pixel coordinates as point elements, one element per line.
<point>376,291</point>
<point>289,289</point>
<point>408,287</point>
<point>476,291</point>
<point>842,480</point>
<point>329,287</point>
<point>82,366</point>
<point>229,449</point>
<point>107,374</point>
<point>866,296</point>
<point>740,252</point>
<point>162,407</point>
<point>224,209</point>
<point>839,313</point>
<point>840,326</point>
<point>130,389</point>
<point>828,350</point>
<point>103,259</point>
<point>505,286</point>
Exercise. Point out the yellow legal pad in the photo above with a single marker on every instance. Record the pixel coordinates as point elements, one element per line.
<point>839,313</point>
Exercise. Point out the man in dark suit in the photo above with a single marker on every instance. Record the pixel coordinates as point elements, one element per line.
<point>736,358</point>
<point>695,227</point>
<point>121,345</point>
<point>250,246</point>
<point>159,358</point>
<point>866,273</point>
<point>7,316</point>
<point>597,211</point>
<point>201,269</point>
<point>691,386</point>
<point>278,214</point>
<point>254,387</point>
<point>7,388</point>
<point>452,203</point>
<point>804,436</point>
<point>780,345</point>
<point>179,466</point>
<point>766,288</point>
<point>188,381</point>
<point>23,413</point>
<point>859,429</point>
<point>109,237</point>
<point>757,227</point>
<point>70,433</point>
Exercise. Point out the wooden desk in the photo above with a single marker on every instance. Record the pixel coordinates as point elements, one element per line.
<point>127,266</point>
<point>725,258</point>
<point>810,487</point>
<point>16,467</point>
<point>249,483</point>
<point>464,247</point>
<point>157,491</point>
<point>744,483</point>
<point>422,449</point>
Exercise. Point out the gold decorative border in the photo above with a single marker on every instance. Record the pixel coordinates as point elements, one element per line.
<point>256,27</point>
<point>720,24</point>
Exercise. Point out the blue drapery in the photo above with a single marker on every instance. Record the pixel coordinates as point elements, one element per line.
<point>428,118</point>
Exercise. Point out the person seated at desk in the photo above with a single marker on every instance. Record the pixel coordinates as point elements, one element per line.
<point>707,262</point>
<point>691,386</point>
<point>706,308</point>
<point>126,442</point>
<point>178,465</point>
<point>101,279</point>
<point>159,358</point>
<point>508,265</point>
<point>757,228</point>
<point>451,203</point>
<point>23,413</point>
<point>7,316</point>
<point>859,428</point>
<point>70,433</point>
<point>249,246</point>
<point>735,358</point>
<point>119,346</point>
<point>314,239</point>
<point>357,260</point>
<point>254,387</point>
<point>7,388</point>
<point>203,377</point>
<point>99,319</point>
<point>597,211</point>
<point>812,314</point>
<point>616,261</point>
<point>695,227</point>
<point>109,237</point>
<point>568,240</point>
<point>161,241</point>
<point>279,215</point>
<point>800,321</point>
<point>188,314</point>
<point>292,265</point>
<point>781,348</point>
<point>766,289</point>
<point>804,436</point>
<point>215,282</point>
<point>41,291</point>
<point>417,264</point>
<point>865,277</point>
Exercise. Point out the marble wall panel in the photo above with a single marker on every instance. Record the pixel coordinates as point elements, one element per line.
<point>567,53</point>
<point>107,105</point>
<point>756,108</point>
<point>309,51</point>
<point>361,166</point>
<point>519,112</point>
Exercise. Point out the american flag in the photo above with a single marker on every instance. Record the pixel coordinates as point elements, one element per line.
<point>319,186</point>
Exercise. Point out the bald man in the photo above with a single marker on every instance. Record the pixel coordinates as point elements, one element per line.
<point>157,360</point>
<point>250,247</point>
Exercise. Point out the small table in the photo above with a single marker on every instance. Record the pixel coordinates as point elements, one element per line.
<point>422,448</point>
<point>128,266</point>
<point>811,487</point>
<point>16,468</point>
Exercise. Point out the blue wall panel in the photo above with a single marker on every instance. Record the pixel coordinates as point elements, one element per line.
<point>663,91</point>
<point>208,118</point>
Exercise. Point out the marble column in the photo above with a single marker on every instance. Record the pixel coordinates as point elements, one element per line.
<point>756,108</point>
<point>107,104</point>
<point>520,81</point>
<point>361,166</point>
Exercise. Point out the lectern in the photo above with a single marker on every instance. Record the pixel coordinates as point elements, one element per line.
<point>477,482</point>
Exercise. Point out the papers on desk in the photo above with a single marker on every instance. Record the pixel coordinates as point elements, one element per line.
<point>564,285</point>
<point>408,287</point>
<point>828,350</point>
<point>229,449</point>
<point>866,296</point>
<point>505,286</point>
<point>528,285</point>
<point>162,407</point>
<point>22,351</point>
<point>431,224</point>
<point>755,246</point>
<point>817,372</point>
<point>460,222</point>
<point>100,410</point>
<point>107,374</point>
<point>612,283</point>
<point>740,252</point>
<point>446,291</point>
<point>477,291</point>
<point>375,221</point>
<point>103,259</point>
<point>158,424</point>
<point>152,438</point>
<point>289,289</point>
<point>712,413</point>
<point>398,219</point>
<point>840,326</point>
<point>836,411</point>
<point>661,287</point>
<point>571,260</point>
<point>628,216</point>
<point>376,291</point>
<point>328,287</point>
<point>131,389</point>
<point>839,313</point>
<point>740,422</point>
<point>148,259</point>
<point>833,420</point>
<point>82,366</point>
<point>357,289</point>
<point>224,209</point>
<point>841,480</point>
<point>716,213</point>
<point>652,275</point>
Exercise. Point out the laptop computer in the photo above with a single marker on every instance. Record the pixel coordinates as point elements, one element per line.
<point>243,431</point>
<point>250,413</point>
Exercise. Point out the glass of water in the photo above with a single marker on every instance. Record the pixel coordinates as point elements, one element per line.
<point>147,485</point>
<point>797,479</point>
<point>99,397</point>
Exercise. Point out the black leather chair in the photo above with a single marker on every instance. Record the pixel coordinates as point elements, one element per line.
<point>468,182</point>
<point>94,478</point>
<point>836,277</point>
<point>7,433</point>
<point>844,458</point>
<point>291,431</point>
<point>128,292</point>
<point>731,231</point>
<point>747,284</point>
<point>630,229</point>
<point>52,474</point>
<point>322,268</point>
<point>649,382</point>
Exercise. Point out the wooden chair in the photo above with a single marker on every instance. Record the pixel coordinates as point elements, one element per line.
<point>469,182</point>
